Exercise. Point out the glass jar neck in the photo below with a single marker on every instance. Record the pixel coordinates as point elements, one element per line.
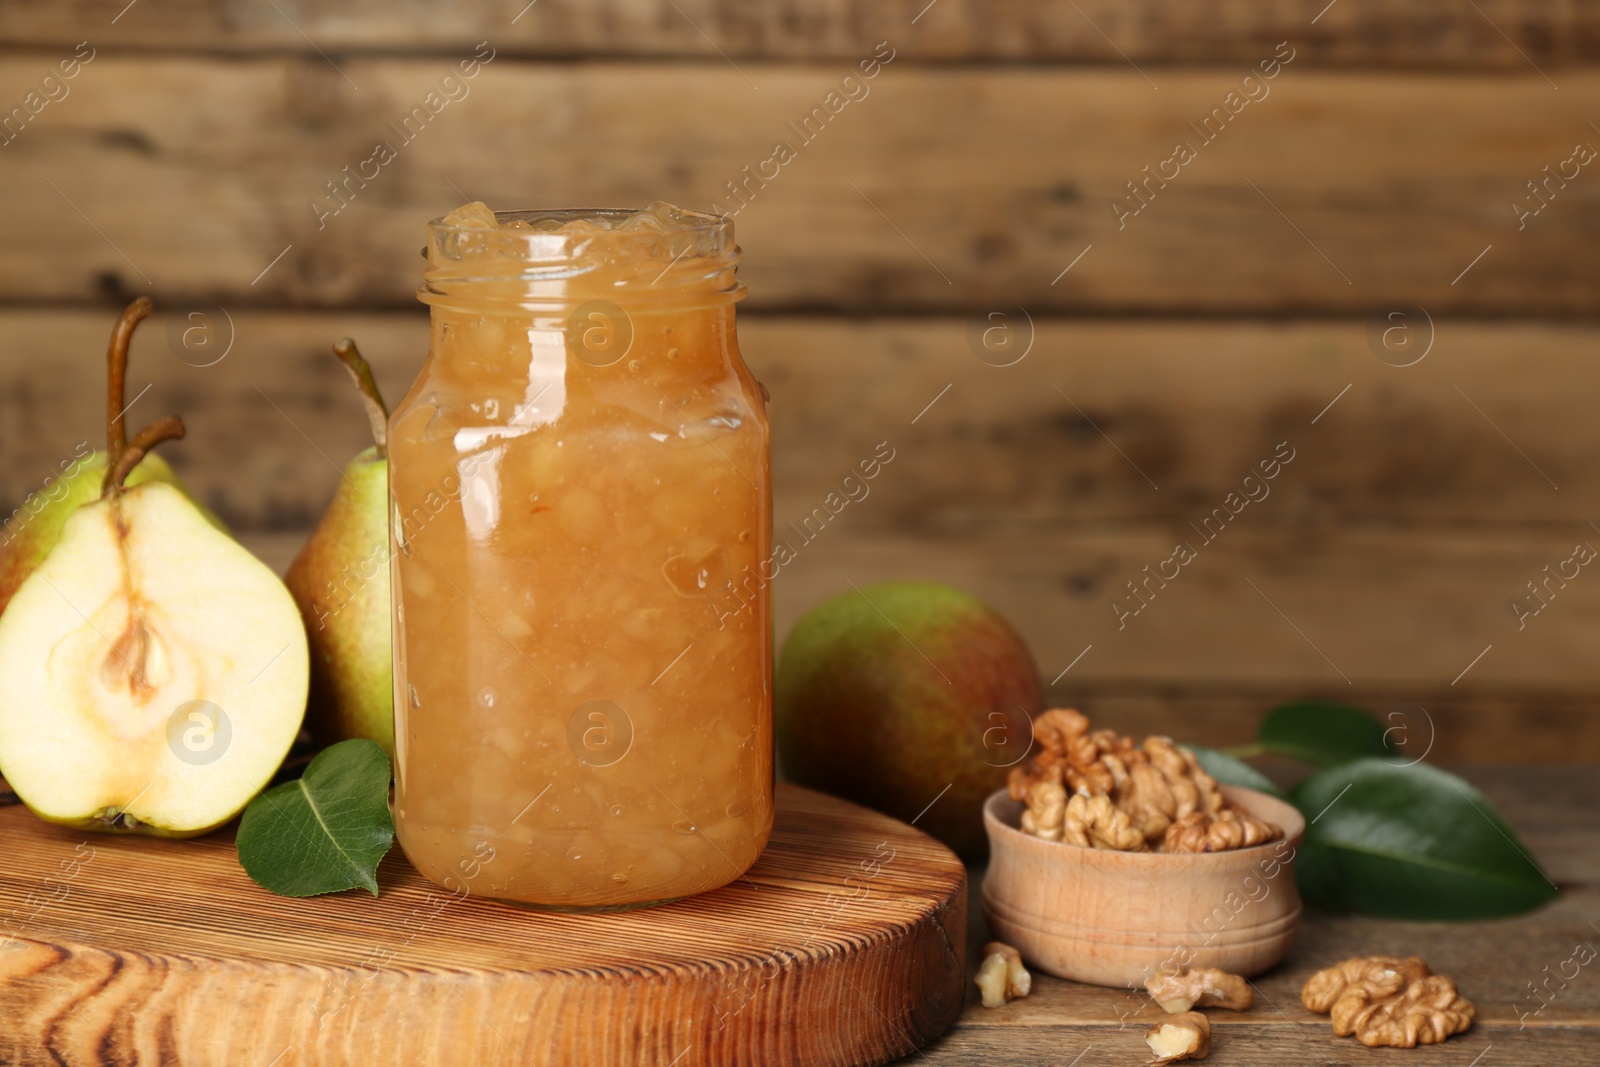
<point>658,260</point>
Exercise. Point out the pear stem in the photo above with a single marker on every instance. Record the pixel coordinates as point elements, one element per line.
<point>167,429</point>
<point>371,398</point>
<point>117,376</point>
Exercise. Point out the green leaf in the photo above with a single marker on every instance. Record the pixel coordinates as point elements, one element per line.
<point>326,830</point>
<point>1322,733</point>
<point>1409,841</point>
<point>1230,771</point>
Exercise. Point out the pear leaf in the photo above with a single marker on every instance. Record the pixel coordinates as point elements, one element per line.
<point>1409,841</point>
<point>1230,770</point>
<point>1322,733</point>
<point>325,831</point>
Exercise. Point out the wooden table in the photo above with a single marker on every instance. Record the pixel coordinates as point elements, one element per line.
<point>1064,1024</point>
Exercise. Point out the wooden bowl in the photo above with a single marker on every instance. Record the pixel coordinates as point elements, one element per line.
<point>1114,918</point>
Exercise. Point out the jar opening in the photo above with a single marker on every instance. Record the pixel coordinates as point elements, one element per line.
<point>536,259</point>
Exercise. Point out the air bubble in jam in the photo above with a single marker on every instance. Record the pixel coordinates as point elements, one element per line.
<point>699,420</point>
<point>684,826</point>
<point>411,691</point>
<point>486,697</point>
<point>718,425</point>
<point>696,577</point>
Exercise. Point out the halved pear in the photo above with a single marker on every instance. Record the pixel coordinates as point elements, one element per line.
<point>117,649</point>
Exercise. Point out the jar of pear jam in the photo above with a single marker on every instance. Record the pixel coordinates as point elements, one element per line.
<point>582,533</point>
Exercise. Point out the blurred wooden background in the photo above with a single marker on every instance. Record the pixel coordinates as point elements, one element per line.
<point>1232,313</point>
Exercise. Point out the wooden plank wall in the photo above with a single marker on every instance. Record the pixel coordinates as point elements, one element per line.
<point>1416,154</point>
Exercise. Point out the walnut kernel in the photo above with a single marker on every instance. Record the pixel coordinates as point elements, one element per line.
<point>1383,1000</point>
<point>1047,808</point>
<point>1002,976</point>
<point>1094,822</point>
<point>1228,829</point>
<point>1150,796</point>
<point>1182,1037</point>
<point>1204,987</point>
<point>1377,976</point>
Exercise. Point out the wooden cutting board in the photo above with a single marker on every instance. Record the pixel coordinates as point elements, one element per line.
<point>845,944</point>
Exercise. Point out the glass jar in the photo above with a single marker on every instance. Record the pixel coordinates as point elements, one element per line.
<point>582,535</point>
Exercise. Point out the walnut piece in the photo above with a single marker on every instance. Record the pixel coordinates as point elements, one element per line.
<point>1384,1000</point>
<point>1095,822</point>
<point>1162,797</point>
<point>1047,808</point>
<point>1182,1037</point>
<point>1228,829</point>
<point>1067,755</point>
<point>1002,976</point>
<point>1196,790</point>
<point>1204,987</point>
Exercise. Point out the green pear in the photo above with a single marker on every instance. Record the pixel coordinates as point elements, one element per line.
<point>35,527</point>
<point>909,697</point>
<point>340,579</point>
<point>153,672</point>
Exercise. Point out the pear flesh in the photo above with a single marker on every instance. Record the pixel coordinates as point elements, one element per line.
<point>140,611</point>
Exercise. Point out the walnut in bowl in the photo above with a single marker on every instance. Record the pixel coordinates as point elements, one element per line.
<point>1098,789</point>
<point>1111,862</point>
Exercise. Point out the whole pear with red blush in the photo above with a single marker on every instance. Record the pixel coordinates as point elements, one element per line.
<point>913,698</point>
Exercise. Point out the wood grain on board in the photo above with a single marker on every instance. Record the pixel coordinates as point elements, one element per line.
<point>844,945</point>
<point>939,189</point>
<point>1506,34</point>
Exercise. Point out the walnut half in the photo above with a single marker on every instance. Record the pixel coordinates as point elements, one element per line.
<point>1384,1000</point>
<point>1204,987</point>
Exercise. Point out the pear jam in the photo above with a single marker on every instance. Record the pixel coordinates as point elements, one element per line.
<point>582,551</point>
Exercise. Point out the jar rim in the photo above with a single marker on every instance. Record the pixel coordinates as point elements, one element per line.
<point>677,252</point>
<point>688,232</point>
<point>690,220</point>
